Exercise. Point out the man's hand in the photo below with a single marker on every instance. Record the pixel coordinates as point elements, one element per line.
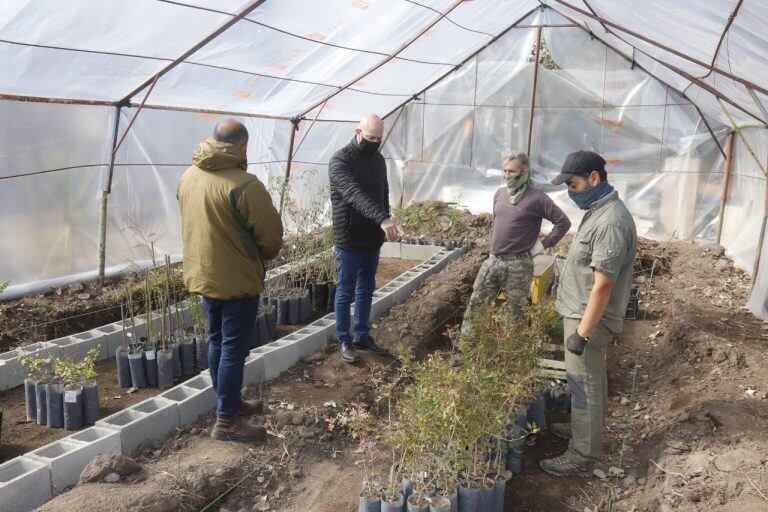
<point>390,229</point>
<point>576,343</point>
<point>536,250</point>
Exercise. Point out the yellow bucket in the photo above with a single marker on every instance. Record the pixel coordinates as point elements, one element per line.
<point>543,271</point>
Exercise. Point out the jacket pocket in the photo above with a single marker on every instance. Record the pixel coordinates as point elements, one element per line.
<point>356,223</point>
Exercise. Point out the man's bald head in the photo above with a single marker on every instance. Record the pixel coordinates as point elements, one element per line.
<point>370,128</point>
<point>231,131</point>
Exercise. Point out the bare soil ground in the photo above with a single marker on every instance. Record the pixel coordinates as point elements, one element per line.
<point>20,436</point>
<point>687,426</point>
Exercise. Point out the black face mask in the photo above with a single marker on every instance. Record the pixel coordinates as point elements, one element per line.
<point>368,147</point>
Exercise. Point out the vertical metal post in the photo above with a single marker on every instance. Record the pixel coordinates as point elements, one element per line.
<point>533,92</point>
<point>726,183</point>
<point>294,128</point>
<point>760,240</point>
<point>105,190</point>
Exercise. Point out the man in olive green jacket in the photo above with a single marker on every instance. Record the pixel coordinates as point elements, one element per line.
<point>230,229</point>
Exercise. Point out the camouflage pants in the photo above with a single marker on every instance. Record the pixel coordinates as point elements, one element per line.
<point>507,273</point>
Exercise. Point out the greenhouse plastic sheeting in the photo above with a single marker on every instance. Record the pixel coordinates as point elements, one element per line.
<point>142,207</point>
<point>336,60</point>
<point>49,222</point>
<point>661,157</point>
<point>746,196</point>
<point>693,29</point>
<point>758,299</point>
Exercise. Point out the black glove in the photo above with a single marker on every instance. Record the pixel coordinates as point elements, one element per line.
<point>575,343</point>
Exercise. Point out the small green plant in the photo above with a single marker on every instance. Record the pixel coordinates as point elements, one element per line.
<point>38,369</point>
<point>431,216</point>
<point>4,285</point>
<point>451,419</point>
<point>73,374</point>
<point>544,317</point>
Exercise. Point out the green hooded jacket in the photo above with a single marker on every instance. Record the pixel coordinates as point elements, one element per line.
<point>230,227</point>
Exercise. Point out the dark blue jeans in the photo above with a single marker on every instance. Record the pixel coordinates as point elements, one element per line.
<point>357,280</point>
<point>232,323</point>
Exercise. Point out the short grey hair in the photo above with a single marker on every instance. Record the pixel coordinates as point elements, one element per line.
<point>521,158</point>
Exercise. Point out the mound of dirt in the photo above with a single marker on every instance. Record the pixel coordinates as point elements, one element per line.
<point>420,323</point>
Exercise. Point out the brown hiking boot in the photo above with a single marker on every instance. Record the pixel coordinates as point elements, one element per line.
<point>251,408</point>
<point>238,430</point>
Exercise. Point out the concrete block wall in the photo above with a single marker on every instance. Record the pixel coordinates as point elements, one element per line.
<point>193,398</point>
<point>24,484</point>
<point>151,420</point>
<point>29,480</point>
<point>67,457</point>
<point>12,373</point>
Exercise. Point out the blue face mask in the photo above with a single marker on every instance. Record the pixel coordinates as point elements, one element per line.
<point>587,197</point>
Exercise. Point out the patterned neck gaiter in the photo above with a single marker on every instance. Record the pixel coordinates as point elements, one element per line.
<point>516,185</point>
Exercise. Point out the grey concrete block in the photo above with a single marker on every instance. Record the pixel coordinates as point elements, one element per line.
<point>147,421</point>
<point>40,349</point>
<point>102,440</point>
<point>139,324</point>
<point>68,347</point>
<point>326,324</point>
<point>113,334</point>
<point>90,339</point>
<point>417,252</point>
<point>278,356</point>
<point>311,339</point>
<point>24,484</point>
<point>254,369</point>
<point>66,459</point>
<point>390,250</point>
<point>130,424</point>
<point>191,402</point>
<point>12,373</point>
<point>383,300</point>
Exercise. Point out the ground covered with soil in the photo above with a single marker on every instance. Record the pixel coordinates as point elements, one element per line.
<point>687,425</point>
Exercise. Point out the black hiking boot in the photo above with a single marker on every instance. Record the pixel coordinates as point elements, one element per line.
<point>562,466</point>
<point>367,343</point>
<point>348,352</point>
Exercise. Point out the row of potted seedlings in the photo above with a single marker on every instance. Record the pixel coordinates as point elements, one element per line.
<point>460,429</point>
<point>448,244</point>
<point>161,356</point>
<point>60,392</point>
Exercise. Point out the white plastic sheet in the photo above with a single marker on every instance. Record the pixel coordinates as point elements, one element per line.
<point>445,145</point>
<point>49,218</point>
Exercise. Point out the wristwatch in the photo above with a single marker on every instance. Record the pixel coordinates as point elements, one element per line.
<point>585,339</point>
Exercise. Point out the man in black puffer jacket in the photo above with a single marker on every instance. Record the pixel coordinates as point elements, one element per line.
<point>361,222</point>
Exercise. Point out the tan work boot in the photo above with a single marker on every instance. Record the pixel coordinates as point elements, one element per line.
<point>561,430</point>
<point>238,430</point>
<point>251,408</point>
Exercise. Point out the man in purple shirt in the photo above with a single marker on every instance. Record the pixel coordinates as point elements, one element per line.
<point>518,209</point>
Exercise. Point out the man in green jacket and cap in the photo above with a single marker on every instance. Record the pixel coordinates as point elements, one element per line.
<point>592,297</point>
<point>230,228</point>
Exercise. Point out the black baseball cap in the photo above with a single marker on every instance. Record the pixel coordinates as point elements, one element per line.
<point>580,163</point>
